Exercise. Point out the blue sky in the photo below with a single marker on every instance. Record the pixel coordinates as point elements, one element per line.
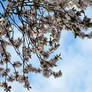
<point>76,67</point>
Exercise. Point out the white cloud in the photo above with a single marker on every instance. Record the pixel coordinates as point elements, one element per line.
<point>85,45</point>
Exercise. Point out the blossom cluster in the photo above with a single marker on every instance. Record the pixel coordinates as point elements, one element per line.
<point>40,23</point>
